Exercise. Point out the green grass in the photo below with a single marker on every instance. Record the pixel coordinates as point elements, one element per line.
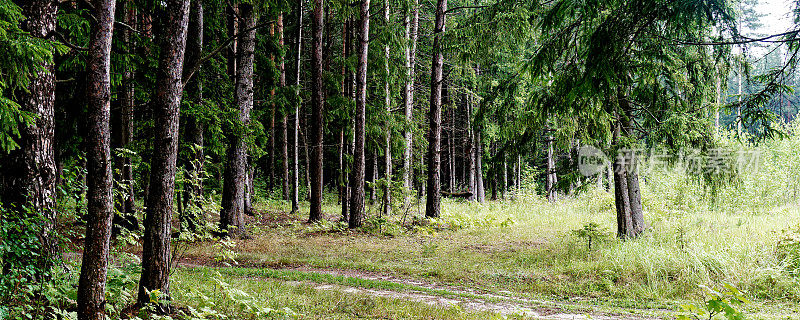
<point>538,256</point>
<point>526,247</point>
<point>202,287</point>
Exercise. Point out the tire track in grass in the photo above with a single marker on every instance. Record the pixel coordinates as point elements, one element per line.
<point>378,285</point>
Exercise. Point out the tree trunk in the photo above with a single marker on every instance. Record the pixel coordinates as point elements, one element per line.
<point>718,100</point>
<point>346,89</point>
<point>29,172</point>
<point>550,173</point>
<point>387,192</point>
<point>493,170</point>
<point>166,103</point>
<point>236,180</point>
<point>126,205</point>
<point>470,151</point>
<point>481,193</point>
<point>504,186</point>
<point>637,224</point>
<point>317,113</point>
<point>295,162</point>
<point>432,207</point>
<point>343,181</point>
<point>621,196</point>
<point>357,175</point>
<point>372,191</point>
<point>100,203</point>
<point>249,189</point>
<point>450,157</point>
<point>410,53</point>
<point>194,133</point>
<point>518,175</point>
<point>307,174</point>
<point>284,128</point>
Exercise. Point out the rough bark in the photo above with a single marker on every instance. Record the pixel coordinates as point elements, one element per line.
<point>317,113</point>
<point>166,103</point>
<point>637,224</point>
<point>100,204</point>
<point>236,180</point>
<point>432,207</point>
<point>621,196</point>
<point>412,24</point>
<point>479,188</point>
<point>357,206</point>
<point>29,172</point>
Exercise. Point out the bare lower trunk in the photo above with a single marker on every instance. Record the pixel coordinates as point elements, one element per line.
<point>621,196</point>
<point>284,129</point>
<point>451,166</point>
<point>410,53</point>
<point>493,170</point>
<point>100,204</point>
<point>166,103</point>
<point>194,133</point>
<point>637,224</point>
<point>296,128</point>
<point>504,186</point>
<point>123,165</point>
<point>432,207</point>
<point>343,181</point>
<point>387,192</point>
<point>357,175</point>
<point>29,172</point>
<point>550,172</point>
<point>317,113</point>
<point>236,180</point>
<point>469,153</point>
<point>479,189</point>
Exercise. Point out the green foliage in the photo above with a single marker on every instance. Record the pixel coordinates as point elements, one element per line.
<point>23,57</point>
<point>26,287</point>
<point>726,303</point>
<point>592,232</point>
<point>225,251</point>
<point>788,250</point>
<point>224,296</point>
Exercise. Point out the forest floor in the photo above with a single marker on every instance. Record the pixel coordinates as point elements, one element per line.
<point>514,258</point>
<point>375,285</point>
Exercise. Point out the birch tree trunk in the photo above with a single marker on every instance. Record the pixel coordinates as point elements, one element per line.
<point>412,23</point>
<point>387,192</point>
<point>296,128</point>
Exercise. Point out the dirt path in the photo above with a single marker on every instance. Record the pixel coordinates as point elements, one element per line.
<point>467,298</point>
